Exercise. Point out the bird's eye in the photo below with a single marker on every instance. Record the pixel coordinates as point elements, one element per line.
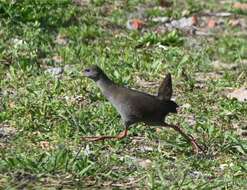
<point>87,70</point>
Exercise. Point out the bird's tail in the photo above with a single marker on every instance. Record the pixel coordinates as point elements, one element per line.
<point>165,89</point>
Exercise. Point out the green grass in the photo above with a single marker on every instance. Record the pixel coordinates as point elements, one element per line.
<point>50,113</point>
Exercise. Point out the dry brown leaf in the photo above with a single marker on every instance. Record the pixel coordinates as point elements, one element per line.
<point>135,24</point>
<point>57,59</point>
<point>144,163</point>
<point>212,23</point>
<point>45,145</point>
<point>241,128</point>
<point>146,84</point>
<point>239,94</point>
<point>11,104</point>
<point>158,130</point>
<point>6,130</point>
<point>204,77</point>
<point>194,20</point>
<point>234,22</point>
<point>242,6</point>
<point>218,65</point>
<point>61,39</point>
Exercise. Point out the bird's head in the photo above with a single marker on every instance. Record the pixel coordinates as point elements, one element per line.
<point>93,72</point>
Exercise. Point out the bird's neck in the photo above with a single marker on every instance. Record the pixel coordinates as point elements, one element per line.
<point>105,85</point>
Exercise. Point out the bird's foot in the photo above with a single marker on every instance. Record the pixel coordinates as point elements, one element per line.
<point>196,147</point>
<point>122,135</point>
<point>101,138</point>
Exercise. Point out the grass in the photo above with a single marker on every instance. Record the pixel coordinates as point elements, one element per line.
<point>49,114</point>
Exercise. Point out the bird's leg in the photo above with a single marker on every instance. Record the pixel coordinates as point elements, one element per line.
<point>97,138</point>
<point>101,138</point>
<point>189,138</point>
<point>122,134</point>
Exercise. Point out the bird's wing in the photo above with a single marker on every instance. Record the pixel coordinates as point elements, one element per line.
<point>165,89</point>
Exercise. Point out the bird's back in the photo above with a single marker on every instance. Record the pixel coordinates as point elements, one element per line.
<point>138,106</point>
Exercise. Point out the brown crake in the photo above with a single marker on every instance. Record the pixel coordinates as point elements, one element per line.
<point>135,106</point>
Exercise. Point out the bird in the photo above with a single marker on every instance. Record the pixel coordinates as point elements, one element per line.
<point>136,106</point>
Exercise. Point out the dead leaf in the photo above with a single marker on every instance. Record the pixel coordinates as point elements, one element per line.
<point>135,24</point>
<point>234,22</point>
<point>194,20</point>
<point>144,163</point>
<point>185,12</point>
<point>158,130</point>
<point>241,128</point>
<point>12,104</point>
<point>57,59</point>
<point>45,145</point>
<point>61,39</point>
<point>218,65</point>
<point>146,84</point>
<point>212,23</point>
<point>239,94</point>
<point>204,77</point>
<point>6,131</point>
<point>241,6</point>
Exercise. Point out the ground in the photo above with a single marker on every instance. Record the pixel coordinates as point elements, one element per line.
<point>47,105</point>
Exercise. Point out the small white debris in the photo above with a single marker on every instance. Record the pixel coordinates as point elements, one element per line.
<point>144,163</point>
<point>195,174</point>
<point>163,47</point>
<point>55,70</point>
<point>223,14</point>
<point>146,149</point>
<point>18,42</point>
<point>160,19</point>
<point>191,119</point>
<point>87,151</point>
<point>186,106</point>
<point>223,166</point>
<point>182,23</point>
